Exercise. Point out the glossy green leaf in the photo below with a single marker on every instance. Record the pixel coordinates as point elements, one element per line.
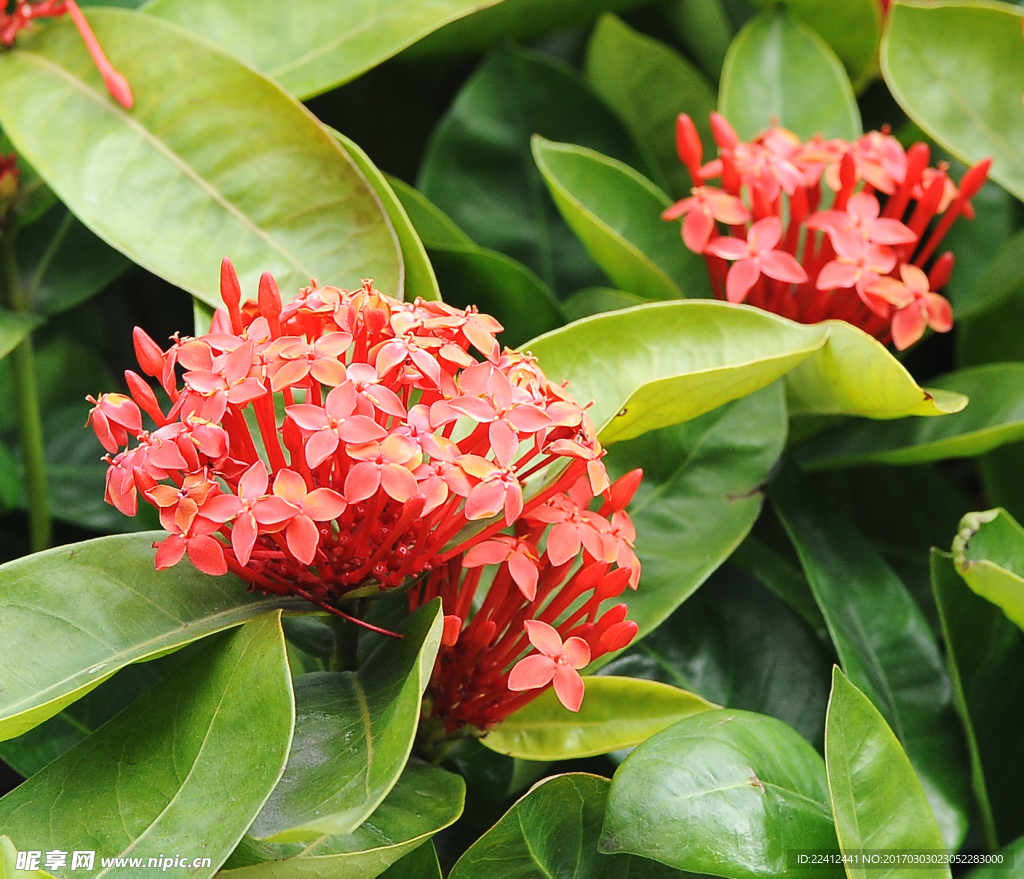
<point>884,643</point>
<point>994,418</point>
<point>668,362</point>
<point>985,652</point>
<point>420,863</point>
<point>704,29</point>
<point>417,278</point>
<point>702,492</point>
<point>186,755</point>
<point>725,792</point>
<point>434,227</point>
<point>9,862</point>
<point>278,194</point>
<point>736,644</point>
<point>98,586</point>
<point>353,736</point>
<point>877,799</point>
<point>595,300</point>
<point>989,554</point>
<point>425,799</point>
<point>13,328</point>
<point>779,71</point>
<point>781,576</point>
<point>490,776</point>
<point>616,212</point>
<point>478,168</point>
<point>617,712</point>
<point>855,375</point>
<point>648,84</point>
<point>314,47</point>
<point>999,870</point>
<point>957,69</point>
<point>553,831</point>
<point>852,28</point>
<point>63,263</point>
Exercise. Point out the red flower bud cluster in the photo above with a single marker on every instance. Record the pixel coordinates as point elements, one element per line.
<point>825,229</point>
<point>9,174</point>
<point>346,444</point>
<point>26,12</point>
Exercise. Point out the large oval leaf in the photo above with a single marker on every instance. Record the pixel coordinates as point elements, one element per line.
<point>353,735</point>
<point>985,652</point>
<point>725,792</point>
<point>616,212</point>
<point>648,84</point>
<point>315,46</point>
<point>663,363</point>
<point>854,374</point>
<point>616,713</point>
<point>989,554</point>
<point>778,71</point>
<point>877,800</point>
<point>98,586</point>
<point>185,756</point>
<point>278,194</point>
<point>958,71</point>
<point>553,831</point>
<point>994,418</point>
<point>884,643</point>
<point>425,799</point>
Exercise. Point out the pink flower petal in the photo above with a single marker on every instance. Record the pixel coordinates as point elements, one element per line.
<point>764,235</point>
<point>544,637</point>
<point>837,276</point>
<point>290,486</point>
<point>524,572</point>
<point>697,229</point>
<point>207,554</point>
<point>940,312</point>
<point>531,673</point>
<point>742,276</point>
<point>908,326</point>
<point>254,481</point>
<point>302,537</point>
<point>170,550</point>
<point>362,481</point>
<point>308,417</point>
<point>728,248</point>
<point>782,266</point>
<point>324,504</point>
<point>577,652</point>
<point>243,538</point>
<point>320,446</point>
<point>569,687</point>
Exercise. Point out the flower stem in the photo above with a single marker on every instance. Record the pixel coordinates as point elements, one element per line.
<point>23,369</point>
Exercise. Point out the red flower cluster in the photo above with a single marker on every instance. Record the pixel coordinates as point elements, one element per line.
<point>825,229</point>
<point>346,444</point>
<point>26,12</point>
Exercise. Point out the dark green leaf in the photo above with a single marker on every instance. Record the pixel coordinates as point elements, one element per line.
<point>725,792</point>
<point>423,801</point>
<point>703,27</point>
<point>648,84</point>
<point>278,194</point>
<point>958,72</point>
<point>595,300</point>
<point>353,736</point>
<point>34,198</point>
<point>781,576</point>
<point>998,870</point>
<point>313,47</point>
<point>884,643</point>
<point>420,863</point>
<point>434,227</point>
<point>98,586</point>
<point>778,71</point>
<point>995,417</point>
<point>616,212</point>
<point>735,643</point>
<point>986,662</point>
<point>877,799</point>
<point>989,554</point>
<point>13,328</point>
<point>553,831</point>
<point>478,168</point>
<point>183,757</point>
<point>617,712</point>
<point>491,776</point>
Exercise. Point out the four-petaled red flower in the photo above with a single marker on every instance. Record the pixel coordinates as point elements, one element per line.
<point>556,662</point>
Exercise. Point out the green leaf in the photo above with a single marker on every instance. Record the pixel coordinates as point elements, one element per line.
<point>648,84</point>
<point>854,374</point>
<point>9,861</point>
<point>994,418</point>
<point>183,757</point>
<point>14,328</point>
<point>553,831</point>
<point>736,644</point>
<point>63,264</point>
<point>616,713</point>
<point>353,736</point>
<point>779,71</point>
<point>985,652</point>
<point>423,801</point>
<point>852,28</point>
<point>417,277</point>
<point>278,194</point>
<point>998,870</point>
<point>725,792</point>
<point>884,643</point>
<point>957,71</point>
<point>877,799</point>
<point>478,168</point>
<point>98,585</point>
<point>314,47</point>
<point>34,198</point>
<point>701,494</point>
<point>434,227</point>
<point>780,576</point>
<point>616,212</point>
<point>668,362</point>
<point>490,776</point>
<point>420,863</point>
<point>704,29</point>
<point>595,300</point>
<point>989,554</point>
